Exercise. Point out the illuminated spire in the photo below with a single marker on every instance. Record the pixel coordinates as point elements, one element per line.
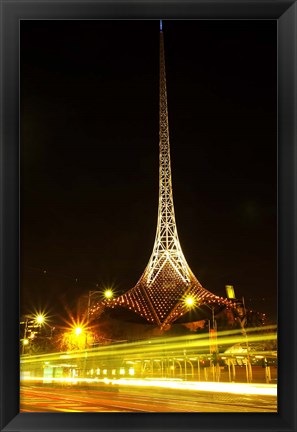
<point>162,294</point>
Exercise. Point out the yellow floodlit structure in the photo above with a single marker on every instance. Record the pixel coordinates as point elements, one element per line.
<point>159,295</point>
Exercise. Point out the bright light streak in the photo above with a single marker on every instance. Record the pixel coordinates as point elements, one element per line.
<point>242,388</point>
<point>149,350</point>
<point>234,388</point>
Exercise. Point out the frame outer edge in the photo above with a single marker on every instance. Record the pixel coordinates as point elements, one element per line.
<point>10,205</point>
<point>287,208</point>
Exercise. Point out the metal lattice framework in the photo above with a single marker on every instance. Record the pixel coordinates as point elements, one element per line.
<point>159,295</point>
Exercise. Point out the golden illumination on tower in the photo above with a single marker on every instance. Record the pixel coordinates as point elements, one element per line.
<point>168,288</point>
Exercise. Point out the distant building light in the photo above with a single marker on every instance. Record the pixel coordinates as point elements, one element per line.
<point>230,291</point>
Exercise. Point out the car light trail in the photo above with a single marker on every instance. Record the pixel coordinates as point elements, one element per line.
<point>234,388</point>
<point>153,346</point>
<point>242,388</point>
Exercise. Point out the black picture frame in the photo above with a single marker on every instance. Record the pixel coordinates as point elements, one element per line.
<point>285,12</point>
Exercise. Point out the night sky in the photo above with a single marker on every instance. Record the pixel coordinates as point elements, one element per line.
<point>89,155</point>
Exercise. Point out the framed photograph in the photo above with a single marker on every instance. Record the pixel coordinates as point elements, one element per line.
<point>148,216</point>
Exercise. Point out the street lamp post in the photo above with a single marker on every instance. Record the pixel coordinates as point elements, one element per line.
<point>108,295</point>
<point>213,344</point>
<point>25,334</point>
<point>214,323</point>
<point>91,293</point>
<point>213,320</point>
<point>32,319</point>
<point>242,318</point>
<point>190,302</point>
<point>249,372</point>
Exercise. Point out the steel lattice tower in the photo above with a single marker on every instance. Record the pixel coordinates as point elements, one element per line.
<point>159,295</point>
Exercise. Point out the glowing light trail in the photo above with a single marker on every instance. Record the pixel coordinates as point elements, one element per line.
<point>150,348</point>
<point>234,388</point>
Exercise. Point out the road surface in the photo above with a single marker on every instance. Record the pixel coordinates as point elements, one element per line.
<point>40,398</point>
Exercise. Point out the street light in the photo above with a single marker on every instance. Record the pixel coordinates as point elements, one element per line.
<point>108,294</point>
<point>31,322</point>
<point>74,336</point>
<point>190,301</point>
<point>40,319</point>
<point>78,331</point>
